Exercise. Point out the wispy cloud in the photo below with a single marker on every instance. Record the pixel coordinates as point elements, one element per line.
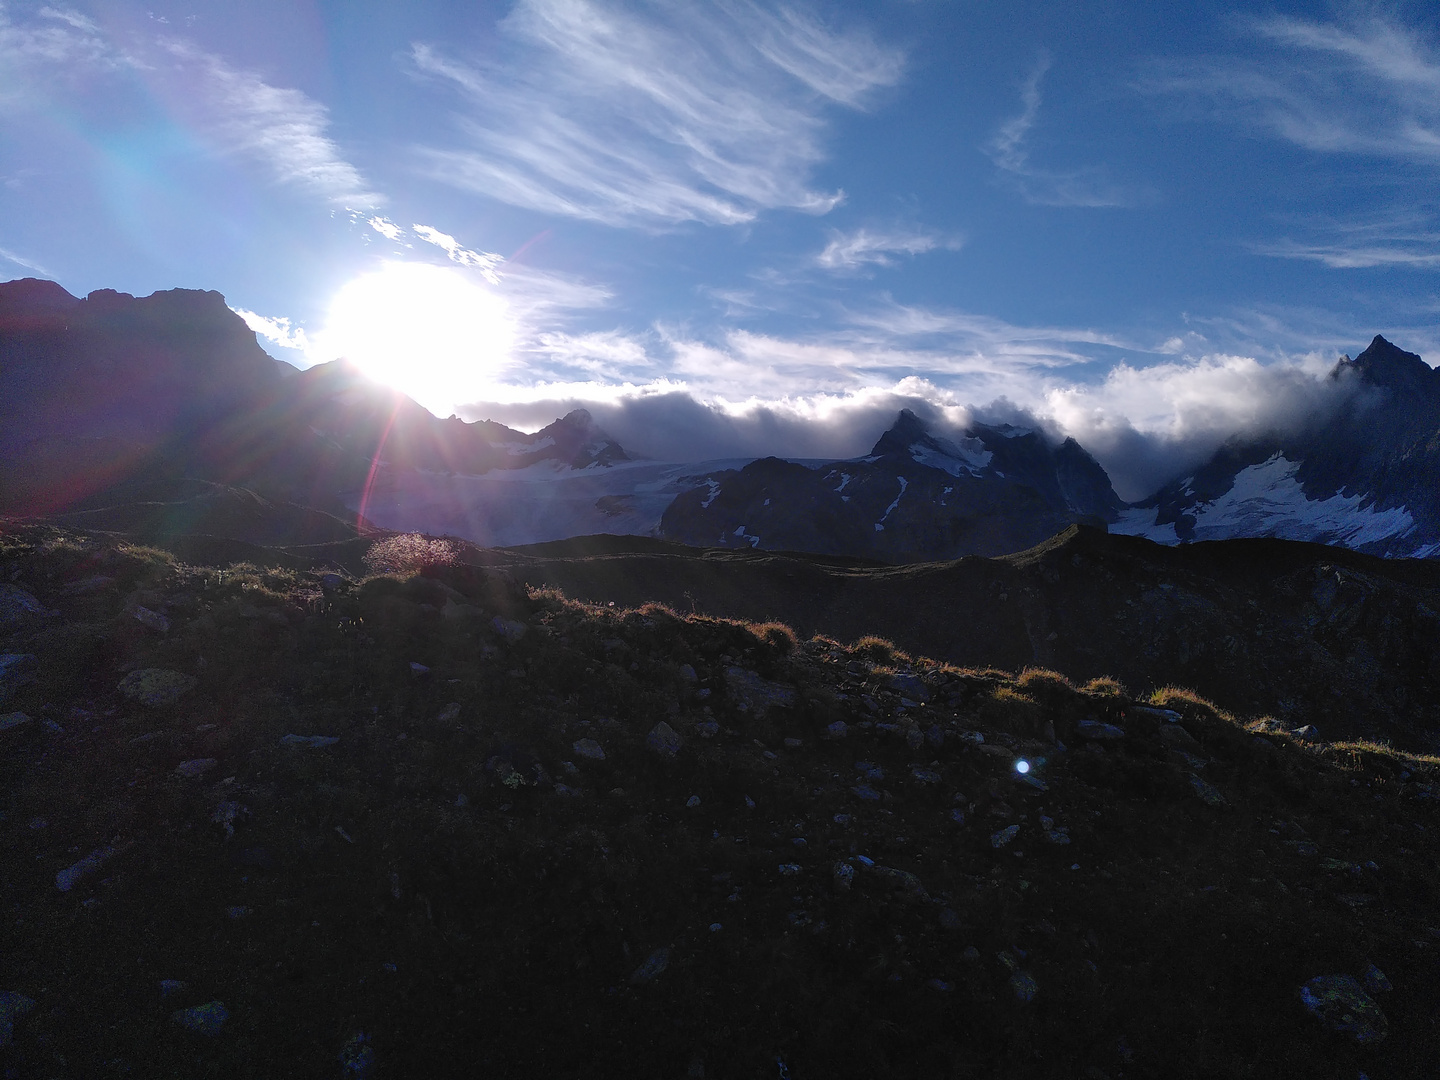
<point>1366,86</point>
<point>708,113</point>
<point>1010,151</point>
<point>854,251</point>
<point>485,262</point>
<point>20,260</point>
<point>280,127</point>
<point>1407,239</point>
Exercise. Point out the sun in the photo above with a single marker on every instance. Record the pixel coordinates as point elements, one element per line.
<point>429,331</point>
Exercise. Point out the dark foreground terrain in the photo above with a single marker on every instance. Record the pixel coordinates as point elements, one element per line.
<point>261,822</point>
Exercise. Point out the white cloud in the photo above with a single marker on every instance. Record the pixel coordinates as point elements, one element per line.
<point>485,262</point>
<point>1405,239</point>
<point>20,260</point>
<point>385,227</point>
<point>1367,86</point>
<point>706,113</point>
<point>278,331</point>
<point>1010,151</point>
<point>850,252</point>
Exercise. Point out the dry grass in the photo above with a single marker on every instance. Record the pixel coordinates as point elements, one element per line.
<point>880,650</point>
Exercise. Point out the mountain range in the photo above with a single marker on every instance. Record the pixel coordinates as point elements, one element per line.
<point>114,407</point>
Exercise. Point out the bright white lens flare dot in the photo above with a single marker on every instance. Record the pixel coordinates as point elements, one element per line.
<point>428,331</point>
<point>1022,766</point>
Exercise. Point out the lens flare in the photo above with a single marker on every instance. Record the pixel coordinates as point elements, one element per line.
<point>1022,766</point>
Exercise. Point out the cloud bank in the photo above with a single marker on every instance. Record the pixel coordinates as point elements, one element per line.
<point>693,112</point>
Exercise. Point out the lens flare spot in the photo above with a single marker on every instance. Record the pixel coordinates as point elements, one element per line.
<point>1022,766</point>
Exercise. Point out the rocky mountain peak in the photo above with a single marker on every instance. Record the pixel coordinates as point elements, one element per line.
<point>1386,365</point>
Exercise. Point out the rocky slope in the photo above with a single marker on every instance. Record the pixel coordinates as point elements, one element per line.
<point>263,823</point>
<point>1364,475</point>
<point>915,497</point>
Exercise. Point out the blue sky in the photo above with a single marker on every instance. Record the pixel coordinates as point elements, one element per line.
<point>744,228</point>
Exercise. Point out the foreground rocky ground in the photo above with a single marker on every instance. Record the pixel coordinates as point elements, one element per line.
<point>265,823</point>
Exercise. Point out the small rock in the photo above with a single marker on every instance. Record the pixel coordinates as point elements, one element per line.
<point>957,816</point>
<point>908,685</point>
<point>865,792</point>
<point>949,919</point>
<point>1309,733</point>
<point>654,965</point>
<point>924,775</point>
<point>789,869</point>
<point>971,953</point>
<point>13,1005</point>
<point>793,744</point>
<point>1004,836</point>
<point>664,740</point>
<point>152,619</point>
<point>512,630</point>
<point>1167,715</point>
<point>1342,1004</point>
<point>65,880</point>
<point>707,729</point>
<point>687,675</point>
<point>1098,731</point>
<point>156,687</point>
<point>838,730</point>
<point>226,813</point>
<point>1207,792</point>
<point>171,986</point>
<point>869,771</point>
<point>754,693</point>
<point>1375,980</point>
<point>844,875</point>
<point>1023,986</point>
<point>87,585</point>
<point>693,801</point>
<point>1176,735</point>
<point>357,1057</point>
<point>940,984</point>
<point>196,767</point>
<point>331,582</point>
<point>418,669</point>
<point>238,911</point>
<point>309,742</point>
<point>17,605</point>
<point>449,714</point>
<point>205,1019</point>
<point>589,748</point>
<point>914,738</point>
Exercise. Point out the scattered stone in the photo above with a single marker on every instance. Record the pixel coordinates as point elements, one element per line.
<point>13,1005</point>
<point>171,986</point>
<point>331,582</point>
<point>844,875</point>
<point>1341,1003</point>
<point>207,1019</point>
<point>449,714</point>
<point>1309,733</point>
<point>1098,731</point>
<point>793,744</point>
<point>957,816</point>
<point>417,669</point>
<point>226,814</point>
<point>924,775</point>
<point>971,953</point>
<point>949,919</point>
<point>589,748</point>
<point>707,729</point>
<point>688,676</point>
<point>66,879</point>
<point>1004,836</point>
<point>512,630</point>
<point>866,792</point>
<point>693,801</point>
<point>664,740</point>
<point>13,720</point>
<point>940,984</point>
<point>1375,980</point>
<point>87,585</point>
<point>789,869</point>
<point>838,730</point>
<point>237,911</point>
<point>156,687</point>
<point>151,619</point>
<point>1167,715</point>
<point>1208,792</point>
<point>900,879</point>
<point>755,694</point>
<point>654,965</point>
<point>869,771</point>
<point>309,742</point>
<point>196,767</point>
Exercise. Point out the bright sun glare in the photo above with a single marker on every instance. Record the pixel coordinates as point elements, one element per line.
<point>428,331</point>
